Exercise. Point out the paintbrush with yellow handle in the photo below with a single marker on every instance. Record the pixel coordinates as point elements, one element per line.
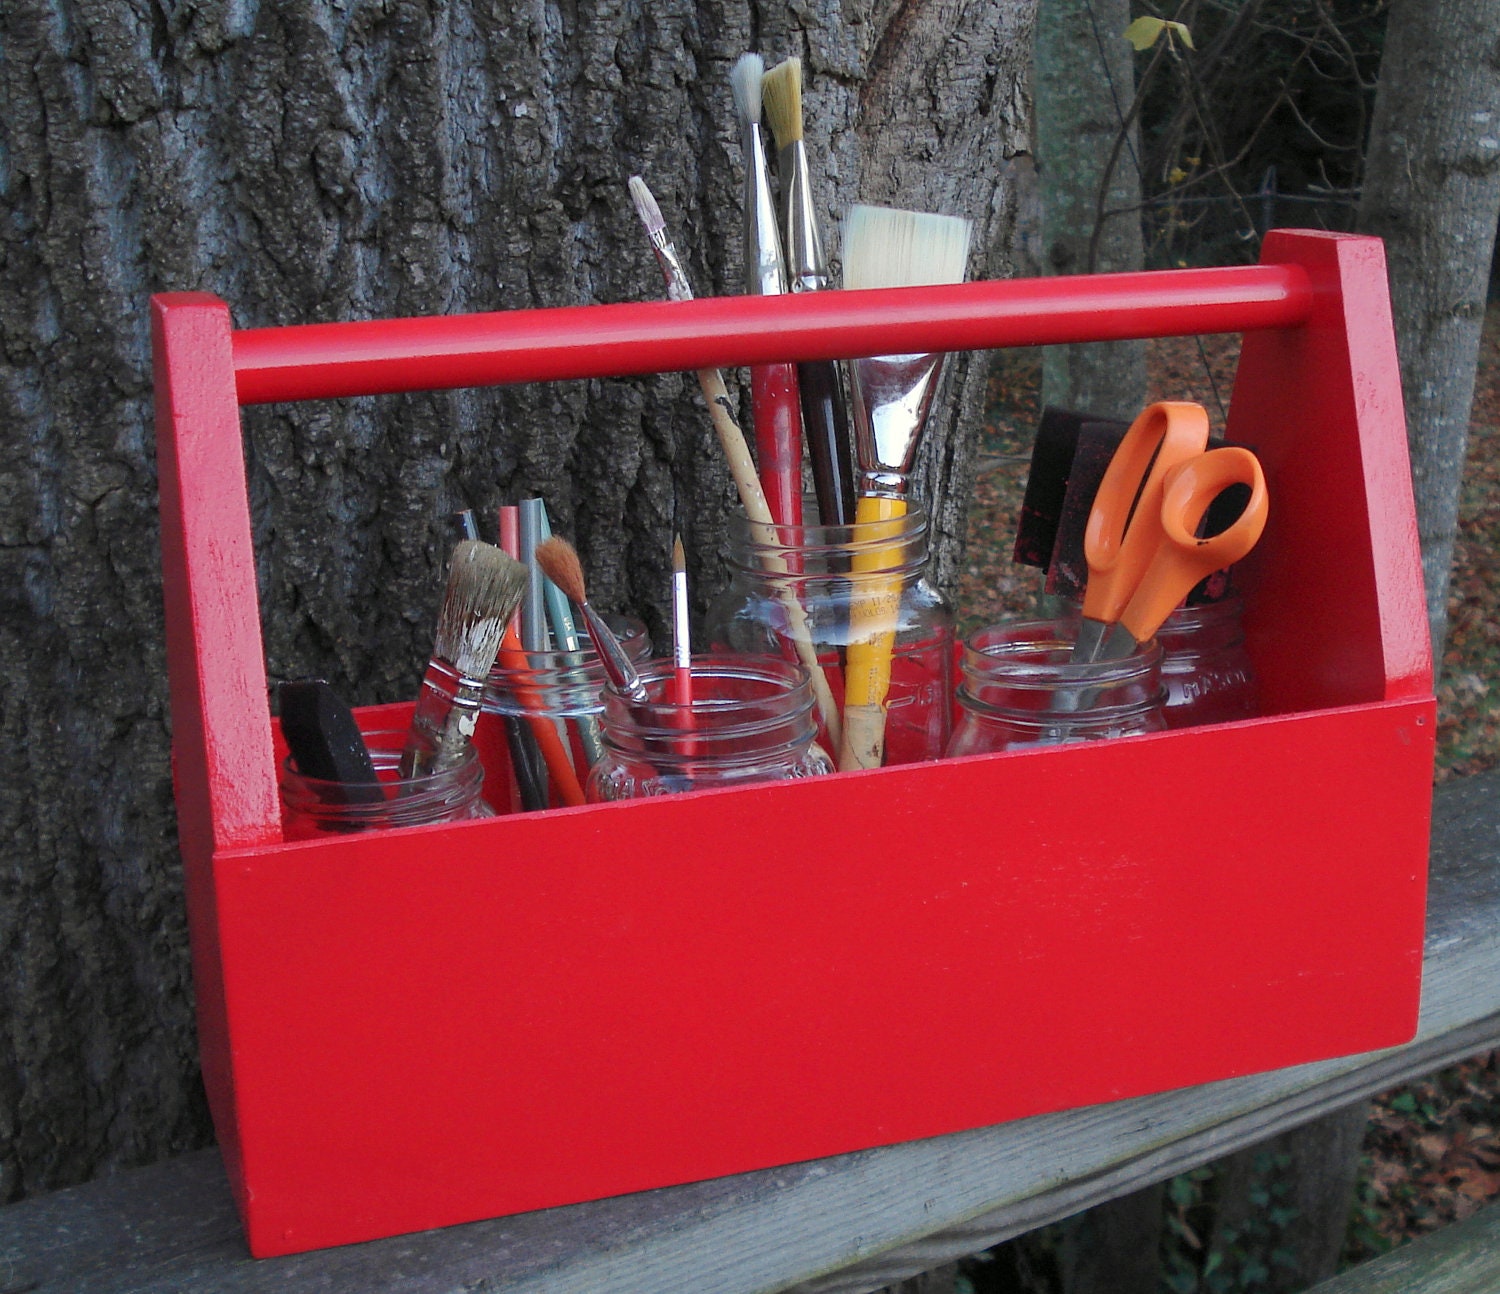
<point>890,396</point>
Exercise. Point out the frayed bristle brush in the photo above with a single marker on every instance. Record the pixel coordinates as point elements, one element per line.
<point>891,395</point>
<point>559,562</point>
<point>773,387</point>
<point>825,419</point>
<point>484,588</point>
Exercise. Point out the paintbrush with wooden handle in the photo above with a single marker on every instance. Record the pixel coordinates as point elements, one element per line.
<point>484,589</point>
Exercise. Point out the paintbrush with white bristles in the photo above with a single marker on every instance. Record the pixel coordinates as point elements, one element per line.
<point>891,395</point>
<point>484,589</point>
<point>773,387</point>
<point>825,419</point>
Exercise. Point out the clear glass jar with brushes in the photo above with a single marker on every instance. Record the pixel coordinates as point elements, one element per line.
<point>749,720</point>
<point>312,806</point>
<point>788,581</point>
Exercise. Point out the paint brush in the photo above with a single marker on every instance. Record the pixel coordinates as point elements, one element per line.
<point>825,419</point>
<point>565,636</point>
<point>682,643</point>
<point>484,588</point>
<point>773,387</point>
<point>526,761</point>
<point>559,560</point>
<point>891,396</point>
<point>737,454</point>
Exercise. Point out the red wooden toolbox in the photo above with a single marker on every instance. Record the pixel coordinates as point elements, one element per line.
<point>405,1029</point>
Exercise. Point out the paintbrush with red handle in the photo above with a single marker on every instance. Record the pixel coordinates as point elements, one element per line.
<point>773,387</point>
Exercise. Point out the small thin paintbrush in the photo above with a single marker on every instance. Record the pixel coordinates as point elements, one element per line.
<point>891,395</point>
<point>737,455</point>
<point>773,387</point>
<point>484,589</point>
<point>682,643</point>
<point>825,419</point>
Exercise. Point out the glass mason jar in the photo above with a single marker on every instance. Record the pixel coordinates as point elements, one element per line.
<point>789,580</point>
<point>563,685</point>
<point>750,719</point>
<point>1021,688</point>
<point>1204,666</point>
<point>311,806</point>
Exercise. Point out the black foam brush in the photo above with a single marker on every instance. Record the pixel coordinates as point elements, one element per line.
<point>324,740</point>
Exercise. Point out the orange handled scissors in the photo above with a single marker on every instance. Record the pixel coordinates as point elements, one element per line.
<point>1141,544</point>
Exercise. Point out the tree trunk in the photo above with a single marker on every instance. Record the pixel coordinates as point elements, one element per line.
<point>1090,180</point>
<point>316,161</point>
<point>1432,191</point>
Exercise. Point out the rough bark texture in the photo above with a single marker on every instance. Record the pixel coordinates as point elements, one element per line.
<point>322,160</point>
<point>1085,81</point>
<point>1432,191</point>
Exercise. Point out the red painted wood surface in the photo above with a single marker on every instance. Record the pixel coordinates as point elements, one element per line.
<point>412,1028</point>
<point>384,355</point>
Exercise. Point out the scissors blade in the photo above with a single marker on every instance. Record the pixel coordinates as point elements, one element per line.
<point>1090,640</point>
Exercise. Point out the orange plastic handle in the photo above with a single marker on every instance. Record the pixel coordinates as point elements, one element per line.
<point>1123,532</point>
<point>1181,558</point>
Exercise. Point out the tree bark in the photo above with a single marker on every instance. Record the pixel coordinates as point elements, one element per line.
<point>1085,82</point>
<point>1432,191</point>
<point>311,160</point>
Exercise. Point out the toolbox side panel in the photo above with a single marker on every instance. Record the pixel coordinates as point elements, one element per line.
<point>440,1024</point>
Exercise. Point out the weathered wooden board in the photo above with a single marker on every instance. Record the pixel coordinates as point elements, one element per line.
<point>850,1223</point>
<point>1463,1258</point>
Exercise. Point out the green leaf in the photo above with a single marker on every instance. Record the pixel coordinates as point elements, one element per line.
<point>1143,33</point>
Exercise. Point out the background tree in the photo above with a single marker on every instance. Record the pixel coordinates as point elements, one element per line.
<point>1088,169</point>
<point>313,160</point>
<point>1432,191</point>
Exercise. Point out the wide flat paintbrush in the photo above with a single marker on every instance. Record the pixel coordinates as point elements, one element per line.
<point>773,387</point>
<point>891,395</point>
<point>825,419</point>
<point>484,588</point>
<point>737,454</point>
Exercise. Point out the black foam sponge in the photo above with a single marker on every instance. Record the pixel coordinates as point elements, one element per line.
<point>324,740</point>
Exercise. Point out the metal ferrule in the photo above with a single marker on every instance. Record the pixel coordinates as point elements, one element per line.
<point>890,395</point>
<point>678,288</point>
<point>807,271</point>
<point>618,668</point>
<point>765,271</point>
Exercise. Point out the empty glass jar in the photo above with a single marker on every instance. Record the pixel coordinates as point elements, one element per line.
<point>749,720</point>
<point>1204,666</point>
<point>1021,687</point>
<point>799,580</point>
